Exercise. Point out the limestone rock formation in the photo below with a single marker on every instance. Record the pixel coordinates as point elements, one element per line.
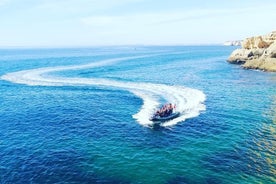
<point>256,53</point>
<point>255,43</point>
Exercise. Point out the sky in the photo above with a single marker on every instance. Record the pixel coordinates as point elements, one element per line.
<point>81,23</point>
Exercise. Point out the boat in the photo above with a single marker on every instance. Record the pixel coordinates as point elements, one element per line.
<point>165,118</point>
<point>165,113</point>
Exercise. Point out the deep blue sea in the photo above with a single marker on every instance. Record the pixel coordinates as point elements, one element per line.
<point>82,116</point>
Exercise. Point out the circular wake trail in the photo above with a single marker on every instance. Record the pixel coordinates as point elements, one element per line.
<point>189,101</point>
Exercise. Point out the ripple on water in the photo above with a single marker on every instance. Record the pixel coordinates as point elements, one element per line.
<point>49,166</point>
<point>239,161</point>
<point>72,134</point>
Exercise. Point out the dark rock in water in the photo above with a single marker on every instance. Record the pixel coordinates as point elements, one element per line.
<point>238,61</point>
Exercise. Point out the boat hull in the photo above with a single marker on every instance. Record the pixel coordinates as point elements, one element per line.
<point>163,119</point>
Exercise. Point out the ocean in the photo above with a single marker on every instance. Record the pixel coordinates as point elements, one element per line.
<point>81,115</point>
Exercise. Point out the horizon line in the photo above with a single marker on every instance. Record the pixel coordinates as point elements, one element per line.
<point>111,45</point>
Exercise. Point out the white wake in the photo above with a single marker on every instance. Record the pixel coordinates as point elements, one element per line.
<point>189,101</point>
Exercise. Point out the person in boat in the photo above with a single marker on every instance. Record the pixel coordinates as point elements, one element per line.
<point>165,111</point>
<point>157,113</point>
<point>170,108</point>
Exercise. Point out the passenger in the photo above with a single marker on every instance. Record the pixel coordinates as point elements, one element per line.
<point>166,113</point>
<point>165,110</point>
<point>157,113</point>
<point>162,114</point>
<point>170,109</point>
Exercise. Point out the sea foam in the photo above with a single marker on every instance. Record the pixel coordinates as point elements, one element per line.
<point>189,102</point>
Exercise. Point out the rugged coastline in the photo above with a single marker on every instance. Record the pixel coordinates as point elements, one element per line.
<point>257,52</point>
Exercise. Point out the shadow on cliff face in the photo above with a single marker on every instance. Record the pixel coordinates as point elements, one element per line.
<point>273,55</point>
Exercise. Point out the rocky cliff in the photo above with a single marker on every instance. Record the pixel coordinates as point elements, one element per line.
<point>257,53</point>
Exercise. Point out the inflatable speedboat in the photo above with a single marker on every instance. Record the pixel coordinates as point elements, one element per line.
<point>164,118</point>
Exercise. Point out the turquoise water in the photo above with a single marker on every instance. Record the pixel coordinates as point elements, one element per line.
<point>81,116</point>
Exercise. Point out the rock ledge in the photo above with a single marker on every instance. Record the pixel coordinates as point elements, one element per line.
<point>257,52</point>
